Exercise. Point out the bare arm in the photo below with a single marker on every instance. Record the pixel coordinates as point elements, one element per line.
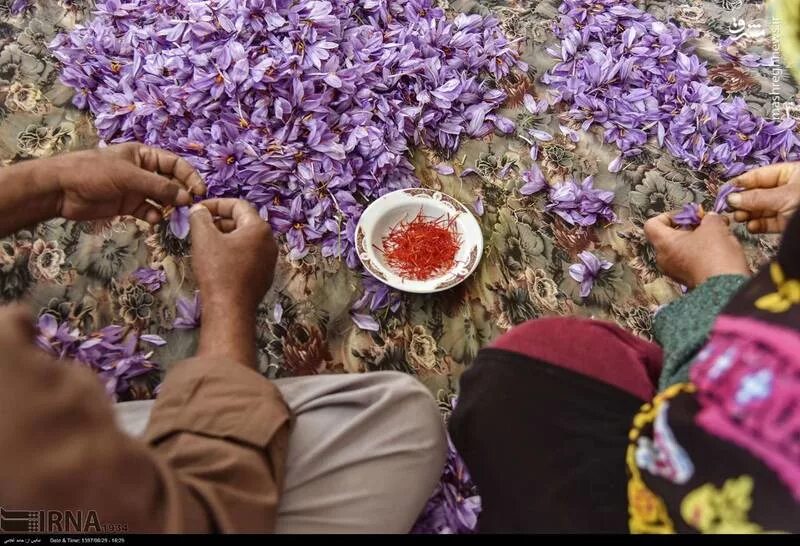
<point>94,184</point>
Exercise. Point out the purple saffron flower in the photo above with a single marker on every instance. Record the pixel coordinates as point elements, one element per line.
<point>365,322</point>
<point>113,352</point>
<point>152,279</point>
<point>690,216</point>
<point>308,109</point>
<point>179,222</point>
<point>189,312</point>
<point>581,205</point>
<point>534,180</point>
<point>18,6</point>
<point>478,205</point>
<point>587,272</point>
<point>444,168</point>
<point>721,203</point>
<point>637,77</point>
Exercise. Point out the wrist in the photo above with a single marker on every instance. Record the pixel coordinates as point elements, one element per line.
<point>726,272</point>
<point>30,192</point>
<point>228,331</point>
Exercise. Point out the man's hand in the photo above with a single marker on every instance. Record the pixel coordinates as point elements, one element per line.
<point>692,257</point>
<point>235,258</point>
<point>234,263</point>
<point>121,179</point>
<point>771,196</point>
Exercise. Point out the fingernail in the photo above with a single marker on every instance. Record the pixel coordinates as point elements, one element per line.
<point>734,199</point>
<point>195,208</point>
<point>184,196</point>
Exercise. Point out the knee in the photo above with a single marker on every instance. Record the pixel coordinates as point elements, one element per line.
<point>549,330</point>
<point>415,414</point>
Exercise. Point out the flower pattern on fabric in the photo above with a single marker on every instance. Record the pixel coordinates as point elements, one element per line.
<point>662,455</point>
<point>748,381</point>
<point>788,292</point>
<point>722,510</point>
<point>646,510</point>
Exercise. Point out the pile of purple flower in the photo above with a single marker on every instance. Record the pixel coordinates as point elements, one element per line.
<point>306,108</point>
<point>581,204</point>
<point>113,353</point>
<point>635,76</point>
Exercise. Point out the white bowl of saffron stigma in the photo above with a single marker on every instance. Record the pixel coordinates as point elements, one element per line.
<point>419,240</point>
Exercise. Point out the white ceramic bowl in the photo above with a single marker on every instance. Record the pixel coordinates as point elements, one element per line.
<point>385,212</point>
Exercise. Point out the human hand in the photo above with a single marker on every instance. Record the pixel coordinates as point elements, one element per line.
<point>692,257</point>
<point>771,196</point>
<point>18,336</point>
<point>121,179</point>
<point>235,254</point>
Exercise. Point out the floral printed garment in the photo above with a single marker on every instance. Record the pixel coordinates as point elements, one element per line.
<point>721,453</point>
<point>84,273</point>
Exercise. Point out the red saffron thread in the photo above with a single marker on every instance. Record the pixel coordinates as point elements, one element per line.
<point>422,248</point>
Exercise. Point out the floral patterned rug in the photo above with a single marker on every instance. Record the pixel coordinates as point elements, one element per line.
<point>82,272</point>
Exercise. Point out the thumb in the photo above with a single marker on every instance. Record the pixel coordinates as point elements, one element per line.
<point>715,224</point>
<point>202,223</point>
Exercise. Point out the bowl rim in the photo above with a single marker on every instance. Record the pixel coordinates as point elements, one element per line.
<point>437,284</point>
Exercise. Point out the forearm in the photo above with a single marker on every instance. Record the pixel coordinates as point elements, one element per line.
<point>228,331</point>
<point>28,194</point>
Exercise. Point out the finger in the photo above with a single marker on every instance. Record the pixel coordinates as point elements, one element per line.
<point>173,166</point>
<point>766,177</point>
<point>201,224</point>
<point>764,225</point>
<point>744,215</point>
<point>759,201</point>
<point>715,221</point>
<point>659,227</point>
<point>225,225</point>
<point>156,187</point>
<point>239,210</point>
<point>17,323</point>
<point>148,213</point>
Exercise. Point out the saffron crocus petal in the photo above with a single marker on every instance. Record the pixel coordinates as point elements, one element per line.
<point>530,103</point>
<point>533,179</point>
<point>153,339</point>
<point>616,165</point>
<point>48,325</point>
<point>444,168</point>
<point>690,216</point>
<point>588,271</point>
<point>478,206</point>
<point>569,133</point>
<point>179,222</point>
<point>577,272</point>
<point>721,203</point>
<point>365,322</point>
<point>544,136</point>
